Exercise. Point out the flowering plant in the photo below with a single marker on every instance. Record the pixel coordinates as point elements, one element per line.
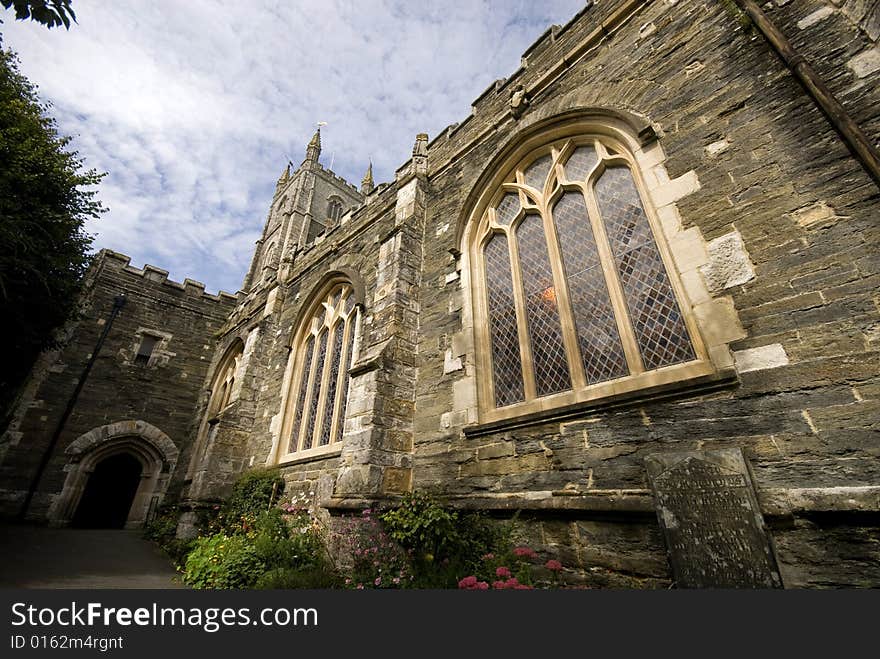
<point>376,560</point>
<point>512,571</point>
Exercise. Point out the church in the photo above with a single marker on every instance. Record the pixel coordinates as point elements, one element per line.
<point>630,297</point>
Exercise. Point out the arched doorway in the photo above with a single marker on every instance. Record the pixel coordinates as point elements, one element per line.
<point>109,493</point>
<point>104,465</point>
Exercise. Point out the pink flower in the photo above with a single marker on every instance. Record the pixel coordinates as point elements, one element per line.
<point>488,557</point>
<point>482,585</point>
<point>524,552</point>
<point>378,581</point>
<point>502,572</point>
<point>522,586</point>
<point>499,585</point>
<point>396,580</point>
<point>468,582</point>
<point>513,582</point>
<point>360,586</point>
<point>553,565</point>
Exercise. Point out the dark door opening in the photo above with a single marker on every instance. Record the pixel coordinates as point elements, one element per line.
<point>109,493</point>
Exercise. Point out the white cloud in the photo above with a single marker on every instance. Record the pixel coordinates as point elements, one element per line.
<point>194,107</point>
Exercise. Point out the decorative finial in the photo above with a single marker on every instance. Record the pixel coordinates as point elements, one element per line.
<point>285,176</point>
<point>367,184</point>
<point>313,150</point>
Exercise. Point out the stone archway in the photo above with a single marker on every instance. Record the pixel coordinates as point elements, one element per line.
<point>152,448</point>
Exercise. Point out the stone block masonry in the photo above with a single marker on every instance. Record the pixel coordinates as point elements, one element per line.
<point>156,395</point>
<point>765,224</point>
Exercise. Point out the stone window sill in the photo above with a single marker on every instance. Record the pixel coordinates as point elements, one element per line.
<point>318,453</point>
<point>700,385</point>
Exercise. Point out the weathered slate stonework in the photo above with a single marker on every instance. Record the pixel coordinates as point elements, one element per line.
<point>769,225</point>
<point>146,405</point>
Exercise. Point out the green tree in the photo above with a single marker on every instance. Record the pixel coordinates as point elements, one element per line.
<point>45,199</point>
<point>48,12</point>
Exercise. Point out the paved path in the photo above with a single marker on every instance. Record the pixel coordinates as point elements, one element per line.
<point>37,557</point>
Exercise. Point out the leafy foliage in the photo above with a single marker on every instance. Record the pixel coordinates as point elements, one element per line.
<point>162,530</point>
<point>443,543</point>
<point>254,543</point>
<point>221,561</point>
<point>44,202</point>
<point>418,544</point>
<point>376,559</point>
<point>254,492</point>
<point>50,13</point>
<point>287,578</point>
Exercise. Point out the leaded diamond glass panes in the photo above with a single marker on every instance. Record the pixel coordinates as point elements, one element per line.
<point>536,174</point>
<point>313,405</point>
<point>504,339</point>
<point>322,384</point>
<point>343,388</point>
<point>660,330</point>
<point>591,301</point>
<point>580,162</point>
<point>542,310</point>
<point>507,208</point>
<point>330,396</point>
<point>598,339</point>
<point>303,390</point>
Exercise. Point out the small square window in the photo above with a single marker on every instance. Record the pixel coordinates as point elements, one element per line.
<point>145,351</point>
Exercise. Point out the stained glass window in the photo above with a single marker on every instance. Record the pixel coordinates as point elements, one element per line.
<point>321,377</point>
<point>577,293</point>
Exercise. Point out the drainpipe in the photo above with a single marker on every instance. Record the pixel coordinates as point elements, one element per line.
<point>118,303</point>
<point>859,144</point>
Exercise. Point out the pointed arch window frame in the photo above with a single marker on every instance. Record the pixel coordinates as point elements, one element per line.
<point>335,209</point>
<point>510,178</point>
<point>305,405</point>
<point>219,398</point>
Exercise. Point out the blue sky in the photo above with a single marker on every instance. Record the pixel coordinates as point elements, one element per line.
<point>194,107</point>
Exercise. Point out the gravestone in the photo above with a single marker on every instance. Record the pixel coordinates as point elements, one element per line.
<point>711,522</point>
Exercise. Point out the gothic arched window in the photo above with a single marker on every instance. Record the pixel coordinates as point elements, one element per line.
<point>323,353</point>
<point>334,209</point>
<point>222,385</point>
<point>575,296</point>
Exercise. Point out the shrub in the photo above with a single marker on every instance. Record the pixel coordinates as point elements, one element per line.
<point>220,561</point>
<point>377,560</point>
<point>444,544</point>
<point>253,493</point>
<point>422,526</point>
<point>286,578</point>
<point>256,544</point>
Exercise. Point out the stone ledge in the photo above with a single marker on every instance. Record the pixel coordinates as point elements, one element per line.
<point>775,501</point>
<point>679,389</point>
<point>605,501</point>
<point>782,501</point>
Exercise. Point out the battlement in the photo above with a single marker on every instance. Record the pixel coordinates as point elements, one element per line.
<point>337,177</point>
<point>160,276</point>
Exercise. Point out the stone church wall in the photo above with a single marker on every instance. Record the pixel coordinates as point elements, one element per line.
<point>768,222</point>
<point>776,223</point>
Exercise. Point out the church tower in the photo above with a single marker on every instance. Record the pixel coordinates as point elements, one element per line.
<point>308,203</point>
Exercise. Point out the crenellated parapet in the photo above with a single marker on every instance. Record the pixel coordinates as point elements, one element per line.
<point>160,276</point>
